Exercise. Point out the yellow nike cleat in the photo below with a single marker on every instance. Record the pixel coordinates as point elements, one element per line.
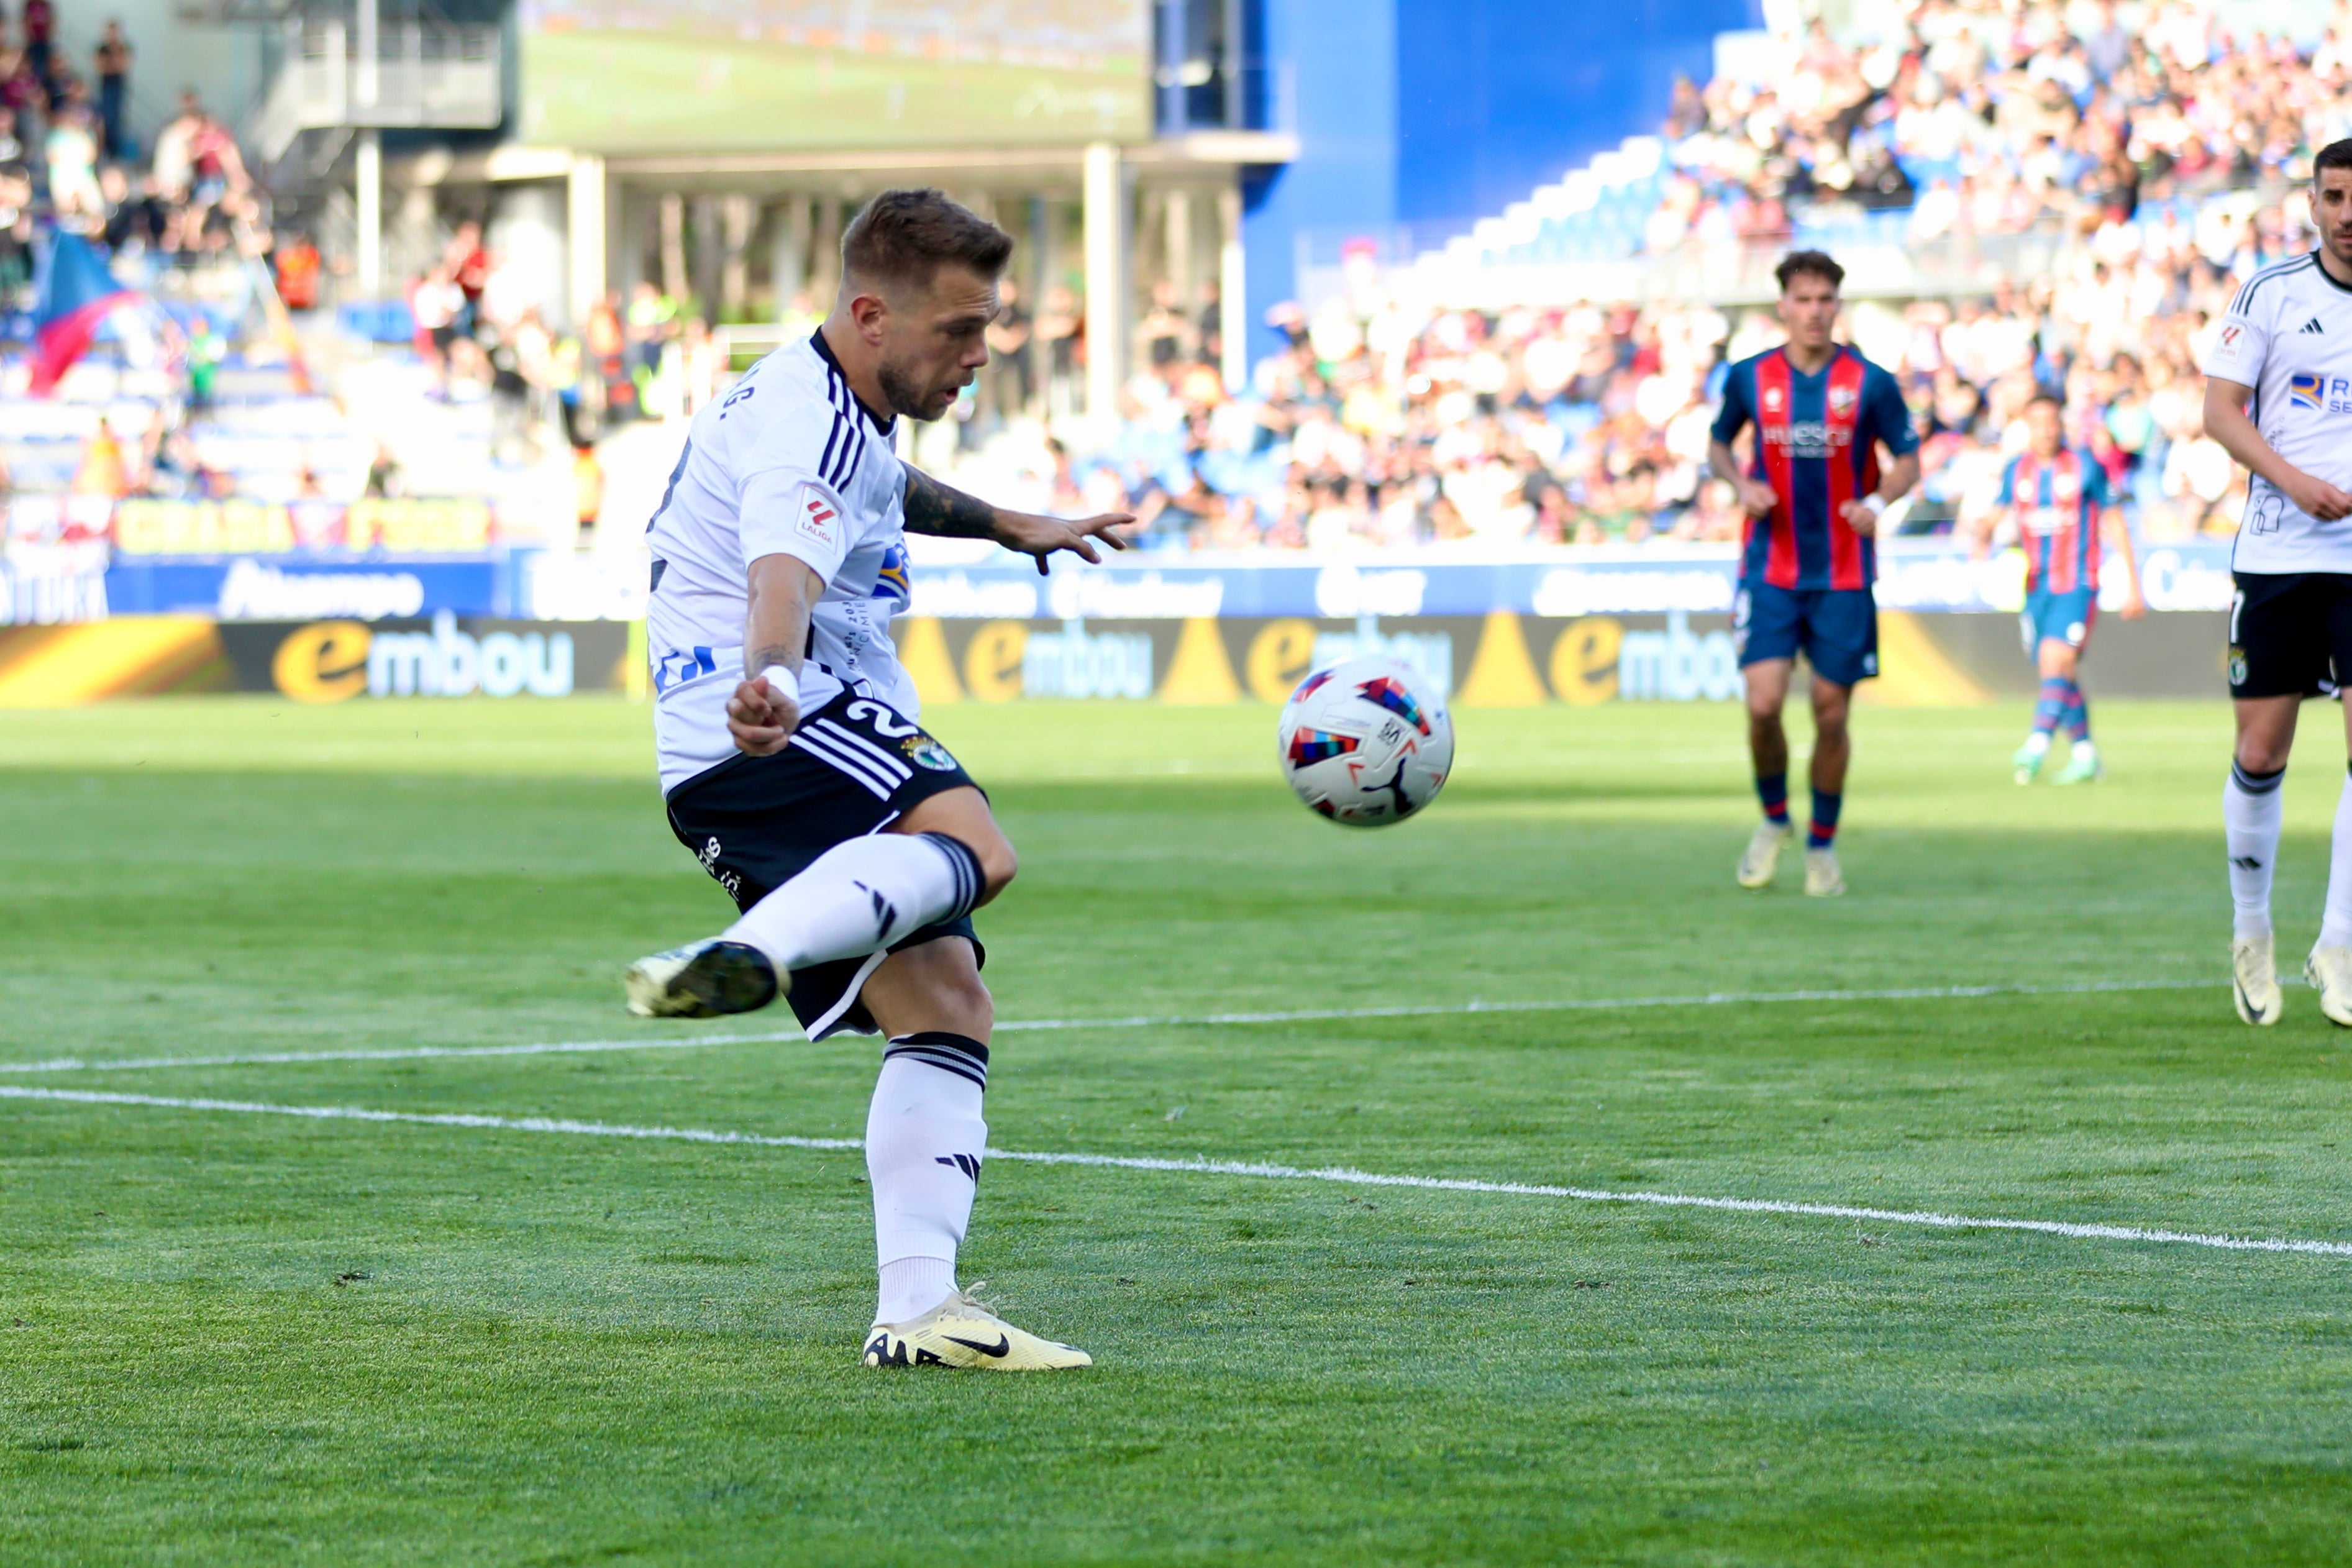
<point>702,980</point>
<point>961,1331</point>
<point>2329,970</point>
<point>2254,974</point>
<point>1762,856</point>
<point>1822,877</point>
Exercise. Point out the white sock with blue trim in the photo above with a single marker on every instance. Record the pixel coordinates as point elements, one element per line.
<point>860,897</point>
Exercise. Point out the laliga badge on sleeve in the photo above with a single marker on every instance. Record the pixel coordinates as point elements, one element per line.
<point>817,518</point>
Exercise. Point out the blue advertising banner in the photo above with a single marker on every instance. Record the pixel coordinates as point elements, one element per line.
<point>298,587</point>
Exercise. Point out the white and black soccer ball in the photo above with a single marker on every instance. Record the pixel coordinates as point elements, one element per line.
<point>1367,742</point>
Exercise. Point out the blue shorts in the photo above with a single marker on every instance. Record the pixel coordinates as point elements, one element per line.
<point>1836,629</point>
<point>2067,618</point>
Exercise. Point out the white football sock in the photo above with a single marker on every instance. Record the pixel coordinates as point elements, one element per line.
<point>913,1286</point>
<point>2336,926</point>
<point>924,1140</point>
<point>860,897</point>
<point>2251,805</point>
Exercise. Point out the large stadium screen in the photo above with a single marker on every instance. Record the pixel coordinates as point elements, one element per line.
<point>633,76</point>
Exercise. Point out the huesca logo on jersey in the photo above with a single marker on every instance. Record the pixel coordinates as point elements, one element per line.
<point>1840,399</point>
<point>817,517</point>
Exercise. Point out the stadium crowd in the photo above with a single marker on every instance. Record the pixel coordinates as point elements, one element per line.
<point>2161,153</point>
<point>2166,154</point>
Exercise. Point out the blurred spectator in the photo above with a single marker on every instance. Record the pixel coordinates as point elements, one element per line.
<point>383,475</point>
<point>469,266</point>
<point>1012,365</point>
<point>1062,327</point>
<point>437,304</point>
<point>40,22</point>
<point>101,471</point>
<point>207,349</point>
<point>113,61</point>
<point>298,273</point>
<point>647,327</point>
<point>71,150</point>
<point>587,495</point>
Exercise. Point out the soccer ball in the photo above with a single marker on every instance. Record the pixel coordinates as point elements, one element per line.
<point>1366,742</point>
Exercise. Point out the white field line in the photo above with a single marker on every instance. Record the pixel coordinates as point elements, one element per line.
<point>1209,1020</point>
<point>1204,1167</point>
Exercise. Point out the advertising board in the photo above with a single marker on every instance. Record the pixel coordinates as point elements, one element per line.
<point>610,76</point>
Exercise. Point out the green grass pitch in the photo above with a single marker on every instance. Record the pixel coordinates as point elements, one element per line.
<point>235,1338</point>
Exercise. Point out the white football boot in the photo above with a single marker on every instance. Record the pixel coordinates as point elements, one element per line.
<point>2329,970</point>
<point>2254,972</point>
<point>703,980</point>
<point>1822,877</point>
<point>962,1331</point>
<point>1762,855</point>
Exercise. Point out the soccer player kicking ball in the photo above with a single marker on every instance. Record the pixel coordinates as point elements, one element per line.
<point>855,846</point>
<point>2059,499</point>
<point>2285,343</point>
<point>1813,496</point>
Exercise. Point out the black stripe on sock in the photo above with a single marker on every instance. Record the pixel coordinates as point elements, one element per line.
<point>958,1054</point>
<point>2258,784</point>
<point>967,879</point>
<point>946,1041</point>
<point>959,1067</point>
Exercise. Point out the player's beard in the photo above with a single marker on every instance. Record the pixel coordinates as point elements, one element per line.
<point>906,396</point>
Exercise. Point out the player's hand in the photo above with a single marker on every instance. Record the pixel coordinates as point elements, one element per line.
<point>2317,497</point>
<point>1859,518</point>
<point>2133,606</point>
<point>1041,536</point>
<point>762,717</point>
<point>1758,497</point>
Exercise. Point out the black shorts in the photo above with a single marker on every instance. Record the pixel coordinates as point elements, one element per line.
<point>853,767</point>
<point>2290,634</point>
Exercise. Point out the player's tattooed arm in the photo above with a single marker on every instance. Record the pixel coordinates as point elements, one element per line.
<point>933,508</point>
<point>943,510</point>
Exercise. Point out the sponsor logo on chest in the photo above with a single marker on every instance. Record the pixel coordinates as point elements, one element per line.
<point>2332,394</point>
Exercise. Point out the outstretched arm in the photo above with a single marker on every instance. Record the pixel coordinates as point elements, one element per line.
<point>943,510</point>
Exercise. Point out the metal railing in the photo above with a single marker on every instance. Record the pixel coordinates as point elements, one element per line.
<point>442,76</point>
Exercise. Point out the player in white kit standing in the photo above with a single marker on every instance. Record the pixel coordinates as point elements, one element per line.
<point>855,845</point>
<point>2278,394</point>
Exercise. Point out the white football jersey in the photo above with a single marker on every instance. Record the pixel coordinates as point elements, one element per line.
<point>2288,335</point>
<point>788,463</point>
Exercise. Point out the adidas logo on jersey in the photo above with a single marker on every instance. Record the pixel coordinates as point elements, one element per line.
<point>2312,326</point>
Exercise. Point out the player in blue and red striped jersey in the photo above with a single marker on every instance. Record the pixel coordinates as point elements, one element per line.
<point>1814,491</point>
<point>2061,503</point>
